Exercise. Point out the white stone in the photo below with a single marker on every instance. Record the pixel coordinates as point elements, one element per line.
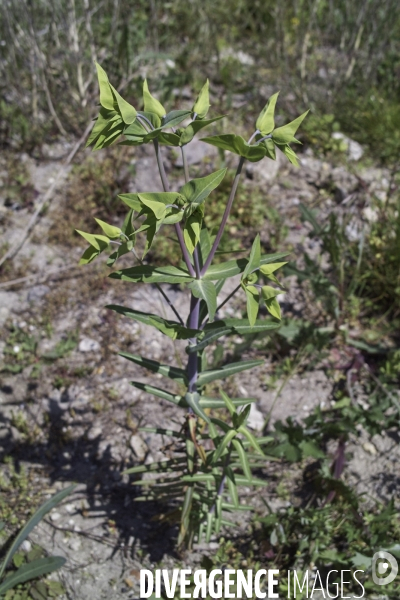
<point>55,516</point>
<point>89,345</point>
<point>354,150</point>
<point>26,546</point>
<point>256,419</point>
<point>138,446</point>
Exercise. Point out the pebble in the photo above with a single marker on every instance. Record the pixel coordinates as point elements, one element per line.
<point>138,446</point>
<point>55,516</point>
<point>89,345</point>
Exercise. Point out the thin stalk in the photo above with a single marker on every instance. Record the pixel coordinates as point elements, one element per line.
<point>221,305</point>
<point>192,365</point>
<point>185,164</point>
<point>225,216</point>
<point>178,230</point>
<point>195,252</point>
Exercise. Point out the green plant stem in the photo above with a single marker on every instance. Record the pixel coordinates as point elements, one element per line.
<point>195,251</point>
<point>178,230</point>
<point>225,216</point>
<point>159,288</point>
<point>185,164</point>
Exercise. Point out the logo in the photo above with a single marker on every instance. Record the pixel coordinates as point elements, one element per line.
<point>381,573</point>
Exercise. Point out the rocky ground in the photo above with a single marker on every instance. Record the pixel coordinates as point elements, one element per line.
<point>70,413</point>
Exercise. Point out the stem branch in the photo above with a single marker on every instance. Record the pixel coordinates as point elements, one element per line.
<point>225,216</point>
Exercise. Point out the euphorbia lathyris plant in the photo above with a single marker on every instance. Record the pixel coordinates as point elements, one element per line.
<point>215,457</point>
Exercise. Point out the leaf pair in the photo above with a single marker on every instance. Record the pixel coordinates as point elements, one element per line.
<point>99,243</point>
<point>115,114</point>
<point>254,292</point>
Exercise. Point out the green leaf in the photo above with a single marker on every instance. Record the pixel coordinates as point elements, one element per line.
<point>131,200</point>
<point>175,117</point>
<point>33,521</point>
<point>192,229</point>
<point>269,294</point>
<point>148,274</point>
<point>255,257</point>
<point>230,478</point>
<point>209,529</point>
<point>217,329</point>
<point>156,367</point>
<point>172,329</point>
<point>169,139</point>
<point>106,95</point>
<point>151,104</point>
<point>156,207</point>
<point>266,122</point>
<point>252,440</point>
<point>90,254</point>
<point>110,230</point>
<point>202,104</point>
<point>127,111</point>
<point>270,151</point>
<point>290,155</point>
<point>226,371</point>
<point>285,134</point>
<point>236,144</point>
<point>190,130</point>
<point>253,303</point>
<point>228,403</point>
<point>237,444</point>
<point>196,190</point>
<point>206,402</point>
<point>192,400</point>
<point>32,570</point>
<point>243,416</point>
<point>271,268</point>
<point>311,449</point>
<point>102,122</point>
<point>207,292</point>
<point>150,389</point>
<point>231,268</point>
<point>100,242</point>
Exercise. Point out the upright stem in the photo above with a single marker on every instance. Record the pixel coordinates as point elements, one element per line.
<point>178,230</point>
<point>225,216</point>
<point>195,252</point>
<point>193,323</point>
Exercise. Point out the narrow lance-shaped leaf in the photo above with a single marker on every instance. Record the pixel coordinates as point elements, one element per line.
<point>202,104</point>
<point>192,400</point>
<point>153,365</point>
<point>172,329</point>
<point>226,371</point>
<point>33,521</point>
<point>242,458</point>
<point>266,122</point>
<point>32,570</point>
